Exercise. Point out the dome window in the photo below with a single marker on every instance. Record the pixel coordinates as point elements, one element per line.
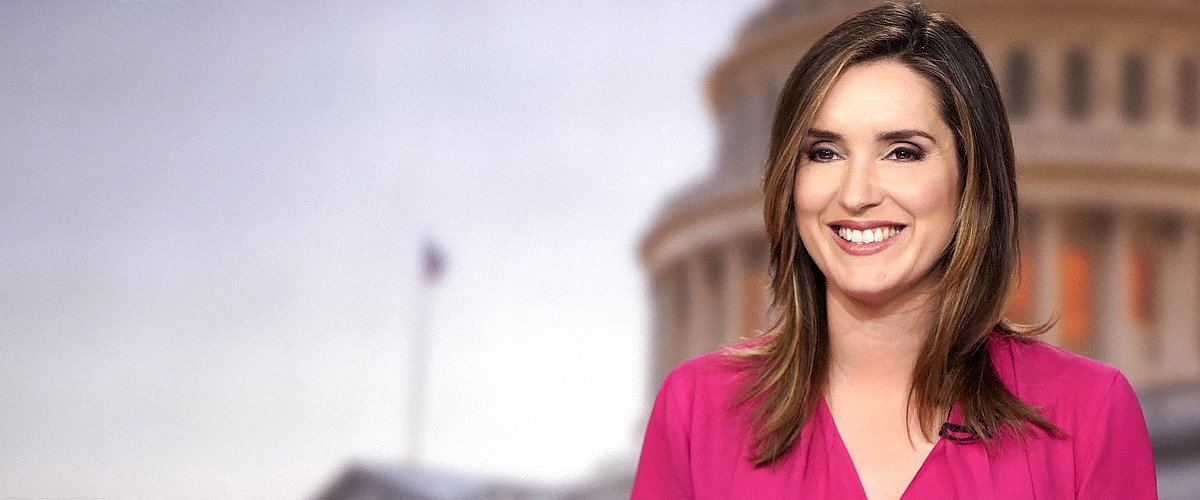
<point>1078,85</point>
<point>1133,88</point>
<point>1018,83</point>
<point>1189,94</point>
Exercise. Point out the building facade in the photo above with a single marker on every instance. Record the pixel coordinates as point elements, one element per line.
<point>1104,100</point>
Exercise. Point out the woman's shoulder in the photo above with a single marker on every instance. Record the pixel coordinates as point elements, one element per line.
<point>1040,373</point>
<point>715,376</point>
<point>1107,447</point>
<point>714,366</point>
<point>1033,357</point>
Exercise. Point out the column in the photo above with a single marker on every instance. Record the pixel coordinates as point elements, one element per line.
<point>1114,341</point>
<point>674,333</point>
<point>1162,94</point>
<point>757,285</point>
<point>1179,286</point>
<point>733,292</point>
<point>1048,80</point>
<point>660,330</point>
<point>700,320</point>
<point>1047,251</point>
<point>1107,79</point>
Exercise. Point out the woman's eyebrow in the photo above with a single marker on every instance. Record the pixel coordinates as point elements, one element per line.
<point>888,136</point>
<point>899,135</point>
<point>816,133</point>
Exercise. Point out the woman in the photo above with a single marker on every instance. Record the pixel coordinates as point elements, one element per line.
<point>891,210</point>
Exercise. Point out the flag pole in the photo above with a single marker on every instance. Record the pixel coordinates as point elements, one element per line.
<point>416,384</point>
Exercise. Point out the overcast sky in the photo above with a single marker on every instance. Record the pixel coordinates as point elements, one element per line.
<point>211,218</point>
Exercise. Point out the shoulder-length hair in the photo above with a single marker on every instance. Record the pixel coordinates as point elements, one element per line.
<point>790,365</point>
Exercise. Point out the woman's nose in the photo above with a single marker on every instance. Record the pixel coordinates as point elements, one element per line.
<point>860,187</point>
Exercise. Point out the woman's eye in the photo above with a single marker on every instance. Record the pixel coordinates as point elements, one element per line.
<point>822,154</point>
<point>905,154</point>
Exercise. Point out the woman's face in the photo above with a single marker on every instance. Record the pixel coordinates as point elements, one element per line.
<point>877,184</point>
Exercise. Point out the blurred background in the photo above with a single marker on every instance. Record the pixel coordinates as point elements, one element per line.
<point>449,249</point>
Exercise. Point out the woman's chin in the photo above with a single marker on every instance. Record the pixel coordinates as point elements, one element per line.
<point>869,295</point>
<point>877,294</point>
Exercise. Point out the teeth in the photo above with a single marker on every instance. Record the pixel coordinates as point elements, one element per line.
<point>859,237</point>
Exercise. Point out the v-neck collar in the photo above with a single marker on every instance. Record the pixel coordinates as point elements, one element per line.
<point>838,446</point>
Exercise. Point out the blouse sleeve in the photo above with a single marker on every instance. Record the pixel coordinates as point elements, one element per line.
<point>664,470</point>
<point>1116,461</point>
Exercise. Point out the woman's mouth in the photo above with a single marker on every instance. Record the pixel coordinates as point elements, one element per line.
<point>869,235</point>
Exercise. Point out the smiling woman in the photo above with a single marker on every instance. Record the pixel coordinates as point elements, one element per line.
<point>891,212</point>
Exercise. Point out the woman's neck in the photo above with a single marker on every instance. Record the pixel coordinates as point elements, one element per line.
<point>874,347</point>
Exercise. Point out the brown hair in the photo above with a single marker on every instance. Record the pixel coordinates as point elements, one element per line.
<point>789,367</point>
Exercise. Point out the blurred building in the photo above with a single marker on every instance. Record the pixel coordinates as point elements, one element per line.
<point>1104,98</point>
<point>386,481</point>
<point>381,481</point>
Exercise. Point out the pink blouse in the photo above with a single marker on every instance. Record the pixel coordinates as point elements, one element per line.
<point>696,446</point>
